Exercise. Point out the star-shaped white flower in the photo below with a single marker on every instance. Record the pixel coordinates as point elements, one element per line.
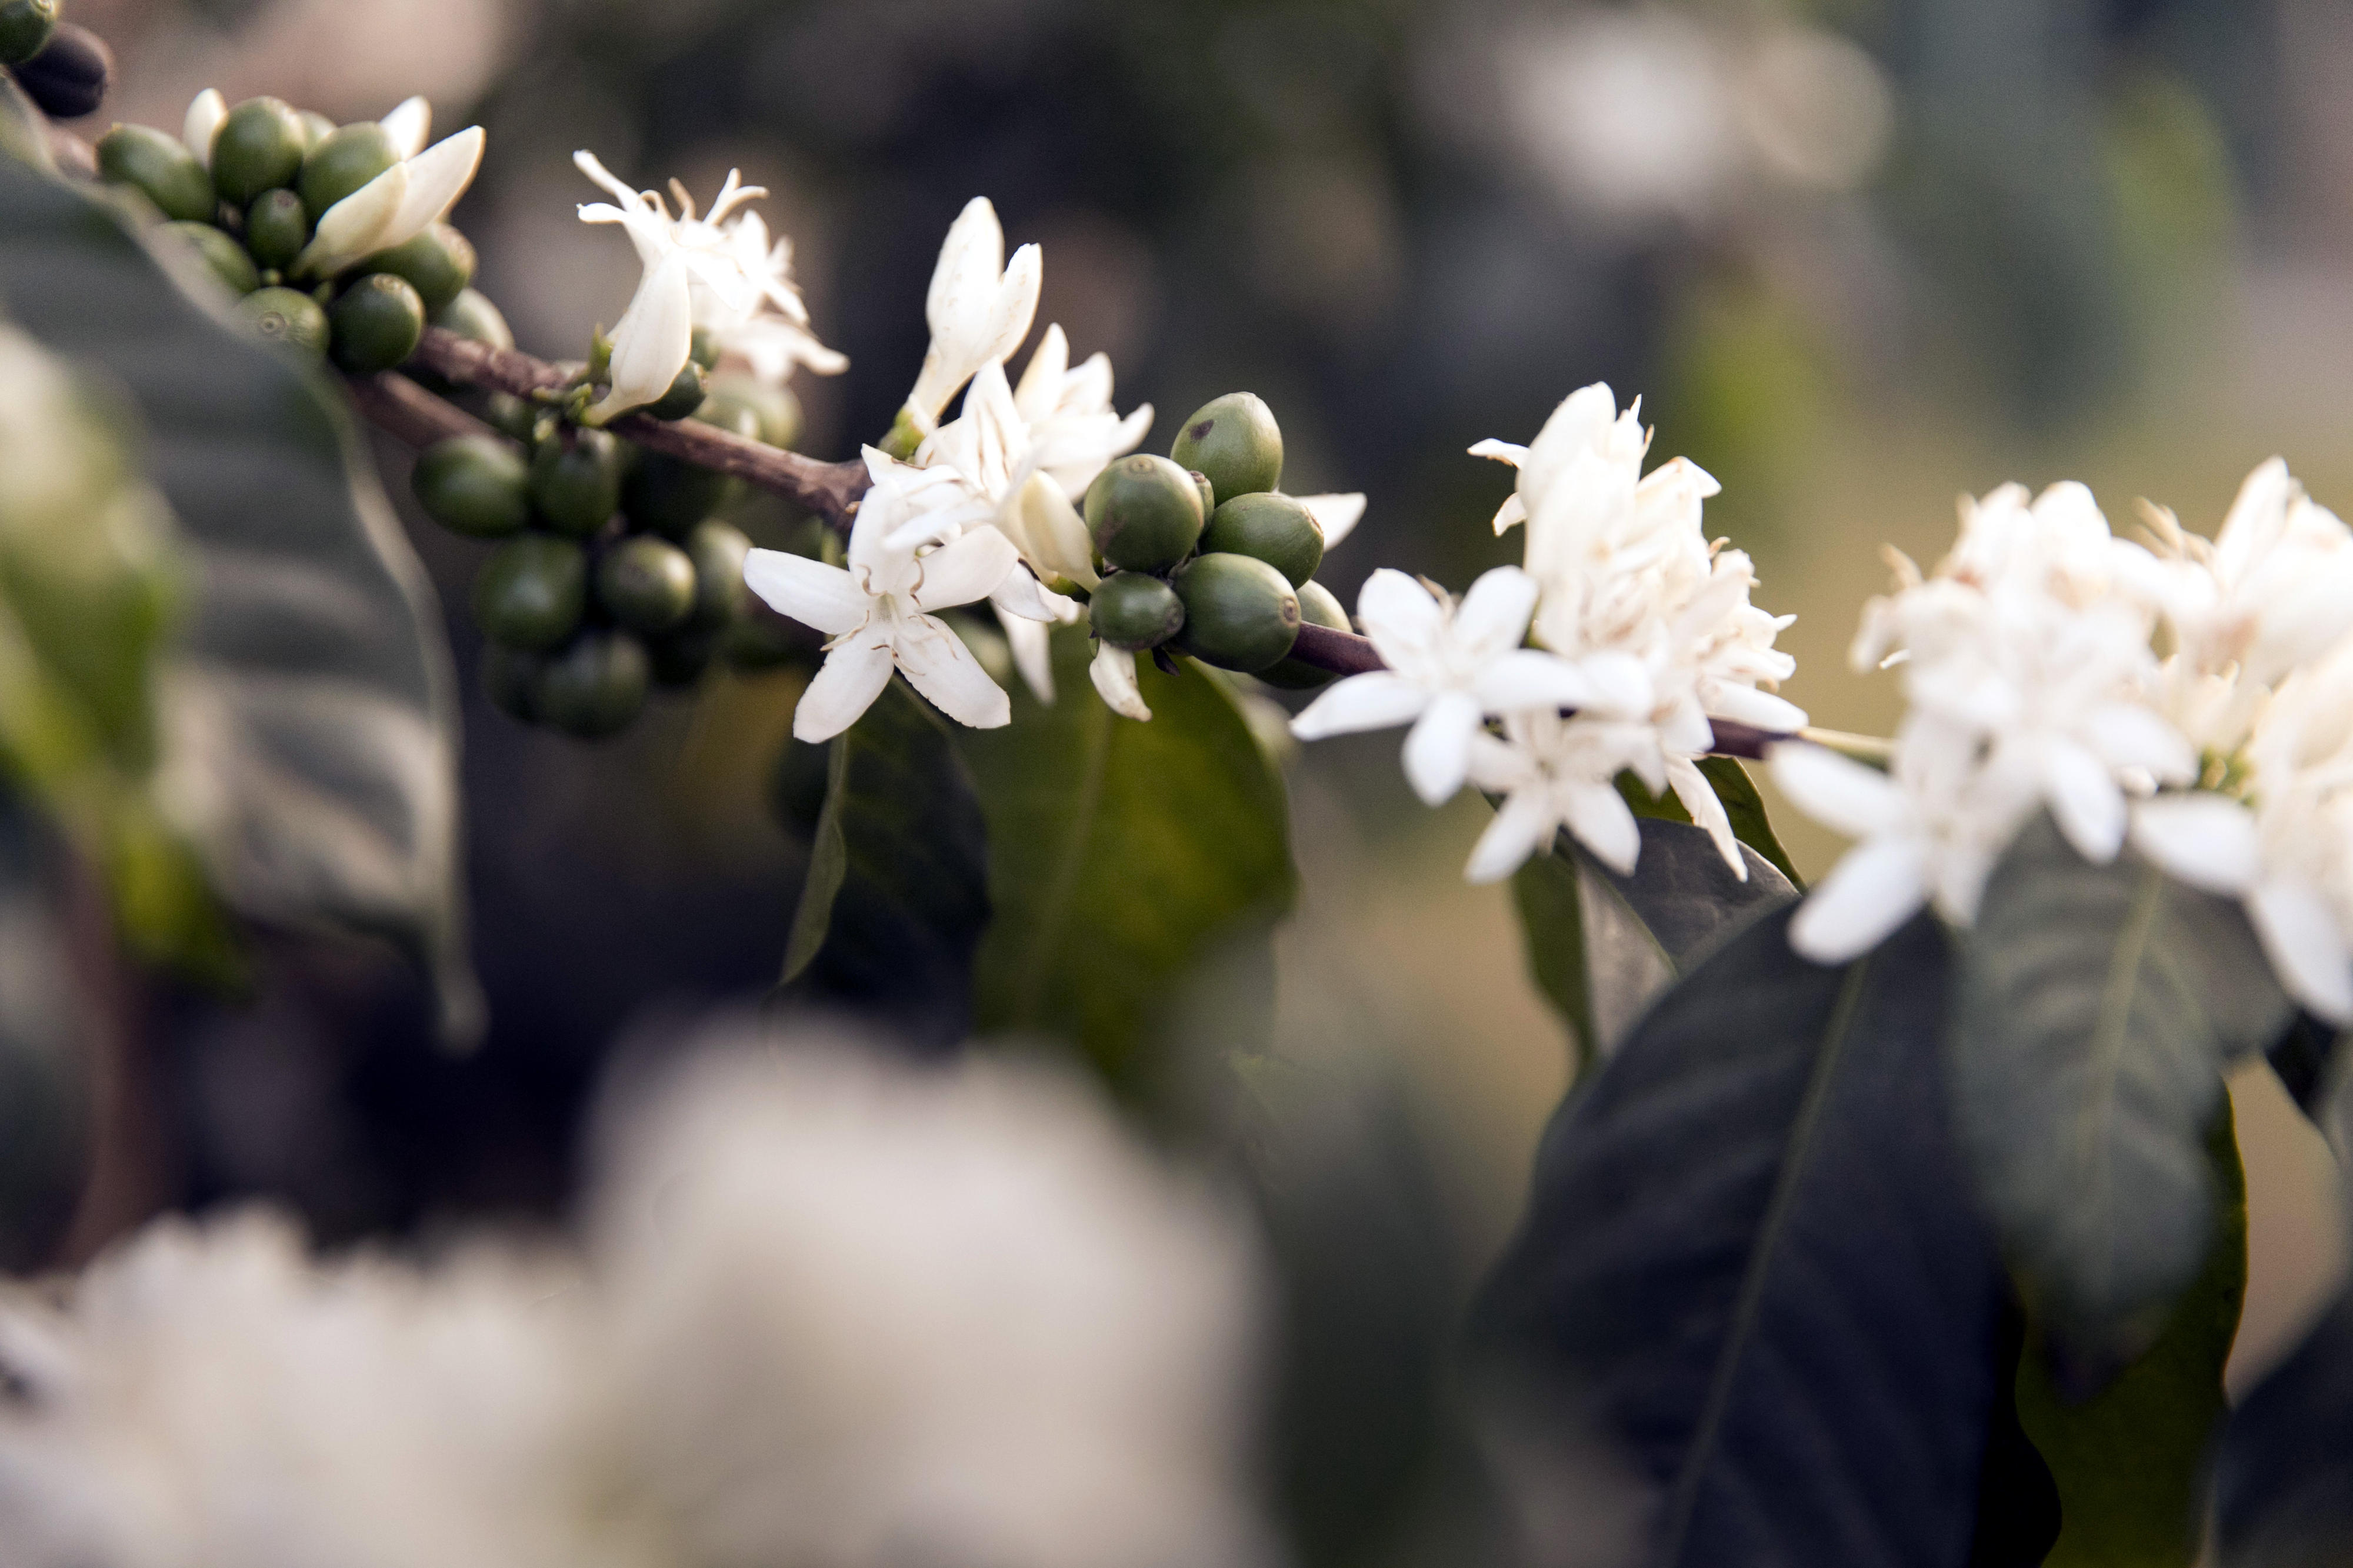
<point>979,308</point>
<point>399,203</point>
<point>1554,771</point>
<point>879,613</point>
<point>1450,667</point>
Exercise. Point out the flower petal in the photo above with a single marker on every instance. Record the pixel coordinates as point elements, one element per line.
<point>206,112</point>
<point>1747,705</point>
<point>1699,799</point>
<point>1522,825</point>
<point>1336,515</point>
<point>823,597</point>
<point>845,686</point>
<point>937,664</point>
<point>1529,678</point>
<point>2085,800</point>
<point>2206,840</point>
<point>1494,615</point>
<point>651,343</point>
<point>1377,700</point>
<point>1502,451</point>
<point>1022,597</point>
<point>409,124</point>
<point>436,178</point>
<point>1436,750</point>
<point>1859,801</point>
<point>1113,673</point>
<point>354,226</point>
<point>2307,948</point>
<point>1404,621</point>
<point>1602,822</point>
<point>964,570</point>
<point>1032,643</point>
<point>1055,532</point>
<point>1511,514</point>
<point>1873,890</point>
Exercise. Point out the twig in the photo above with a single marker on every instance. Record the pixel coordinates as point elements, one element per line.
<point>410,414</point>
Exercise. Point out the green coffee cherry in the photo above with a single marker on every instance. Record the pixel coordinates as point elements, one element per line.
<point>669,495</point>
<point>680,658</point>
<point>25,30</point>
<point>316,128</point>
<point>1317,606</point>
<point>1271,526</point>
<point>287,316</point>
<point>778,410</point>
<point>531,593</point>
<point>685,395</point>
<point>1133,610</point>
<point>474,485</point>
<point>472,316</point>
<point>439,263</point>
<point>225,257</point>
<point>259,148</point>
<point>507,413</point>
<point>1240,613</point>
<point>1234,441</point>
<point>575,482</point>
<point>594,687</point>
<point>796,789</point>
<point>1144,513</point>
<point>343,161</point>
<point>276,228</point>
<point>646,582</point>
<point>377,320</point>
<point>721,597</point>
<point>158,166</point>
<point>509,678</point>
<point>704,348</point>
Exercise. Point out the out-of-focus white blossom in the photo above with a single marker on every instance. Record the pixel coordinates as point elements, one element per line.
<point>395,206</point>
<point>409,124</point>
<point>979,308</point>
<point>716,271</point>
<point>208,1396</point>
<point>2027,662</point>
<point>870,1314</point>
<point>206,112</point>
<point>1450,667</point>
<point>878,611</point>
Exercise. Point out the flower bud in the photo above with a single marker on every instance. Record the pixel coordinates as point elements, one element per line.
<point>440,264</point>
<point>575,482</point>
<point>158,167</point>
<point>344,159</point>
<point>532,591</point>
<point>647,584</point>
<point>594,687</point>
<point>720,597</point>
<point>223,256</point>
<point>287,316</point>
<point>685,395</point>
<point>1234,441</point>
<point>1240,613</point>
<point>473,485</point>
<point>377,322</point>
<point>257,148</point>
<point>25,30</point>
<point>277,226</point>
<point>1133,610</point>
<point>1271,526</point>
<point>1144,513</point>
<point>1317,606</point>
<point>70,77</point>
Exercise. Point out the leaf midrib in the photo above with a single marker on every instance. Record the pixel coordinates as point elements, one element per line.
<point>2110,1027</point>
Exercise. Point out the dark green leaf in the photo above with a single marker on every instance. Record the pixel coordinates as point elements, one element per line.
<point>2018,1500</point>
<point>310,721</point>
<point>896,894</point>
<point>45,1055</point>
<point>2301,1056</point>
<point>1121,854</point>
<point>2284,1480</point>
<point>1548,891</point>
<point>1741,802</point>
<point>2131,1460</point>
<point>1752,1273</point>
<point>2095,1008</point>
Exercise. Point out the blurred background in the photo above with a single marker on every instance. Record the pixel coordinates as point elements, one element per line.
<point>1857,257</point>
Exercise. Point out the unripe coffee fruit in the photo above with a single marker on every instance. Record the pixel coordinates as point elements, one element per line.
<point>1317,606</point>
<point>594,687</point>
<point>670,495</point>
<point>646,582</point>
<point>376,321</point>
<point>158,166</point>
<point>223,256</point>
<point>257,148</point>
<point>1135,610</point>
<point>1234,441</point>
<point>474,485</point>
<point>575,483</point>
<point>1240,613</point>
<point>346,159</point>
<point>438,263</point>
<point>1144,513</point>
<point>472,316</point>
<point>1271,526</point>
<point>25,30</point>
<point>286,316</point>
<point>532,591</point>
<point>721,596</point>
<point>277,226</point>
<point>685,395</point>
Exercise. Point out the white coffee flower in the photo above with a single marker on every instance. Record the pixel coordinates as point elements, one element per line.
<point>878,612</point>
<point>1557,772</point>
<point>206,112</point>
<point>1450,667</point>
<point>979,308</point>
<point>395,206</point>
<point>872,1314</point>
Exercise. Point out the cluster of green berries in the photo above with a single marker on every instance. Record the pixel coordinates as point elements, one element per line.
<point>275,169</point>
<point>63,68</point>
<point>1203,553</point>
<point>613,572</point>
